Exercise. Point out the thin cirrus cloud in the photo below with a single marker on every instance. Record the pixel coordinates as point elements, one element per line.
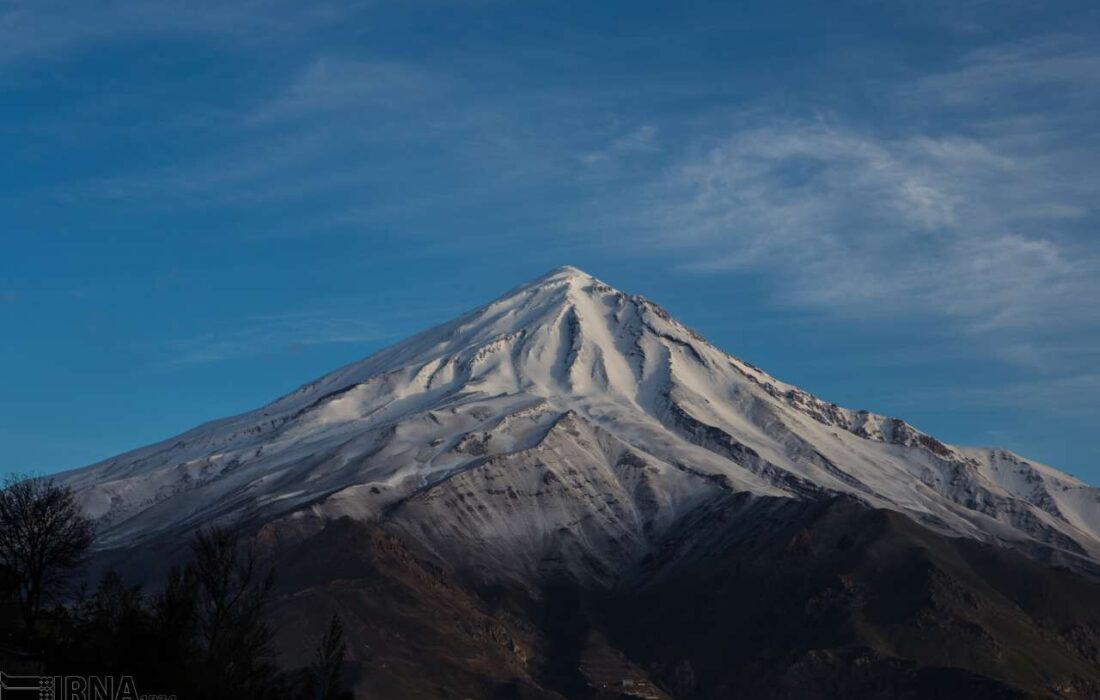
<point>1014,73</point>
<point>389,138</point>
<point>336,125</point>
<point>849,221</point>
<point>979,222</point>
<point>271,334</point>
<point>641,139</point>
<point>292,331</point>
<point>984,218</point>
<point>36,29</point>
<point>328,86</point>
<point>970,200</point>
<point>1069,395</point>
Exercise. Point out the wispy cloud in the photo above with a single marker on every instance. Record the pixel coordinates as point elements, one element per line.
<point>1057,68</point>
<point>330,86</point>
<point>250,173</point>
<point>641,139</point>
<point>36,29</point>
<point>852,222</point>
<point>1072,394</point>
<point>372,143</point>
<point>985,220</point>
<point>974,205</point>
<point>293,331</point>
<point>272,334</point>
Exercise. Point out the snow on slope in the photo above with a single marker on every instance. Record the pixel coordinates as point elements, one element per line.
<point>564,426</point>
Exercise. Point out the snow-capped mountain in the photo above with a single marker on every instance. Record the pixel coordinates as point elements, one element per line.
<point>565,427</point>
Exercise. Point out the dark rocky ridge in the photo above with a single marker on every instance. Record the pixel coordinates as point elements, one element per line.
<point>749,597</point>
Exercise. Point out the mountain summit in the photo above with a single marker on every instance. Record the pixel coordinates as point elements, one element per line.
<point>562,429</point>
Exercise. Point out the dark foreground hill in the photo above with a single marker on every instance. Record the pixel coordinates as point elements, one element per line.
<point>757,598</point>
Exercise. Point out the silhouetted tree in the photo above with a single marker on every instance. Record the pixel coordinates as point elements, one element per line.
<point>175,618</point>
<point>328,666</point>
<point>231,594</point>
<point>43,536</point>
<point>109,632</point>
<point>203,636</point>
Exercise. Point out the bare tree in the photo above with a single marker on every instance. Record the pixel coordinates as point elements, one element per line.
<point>231,594</point>
<point>328,667</point>
<point>43,536</point>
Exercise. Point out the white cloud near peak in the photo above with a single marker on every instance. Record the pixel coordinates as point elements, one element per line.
<point>866,224</point>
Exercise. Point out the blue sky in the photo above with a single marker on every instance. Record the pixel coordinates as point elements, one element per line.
<point>890,203</point>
